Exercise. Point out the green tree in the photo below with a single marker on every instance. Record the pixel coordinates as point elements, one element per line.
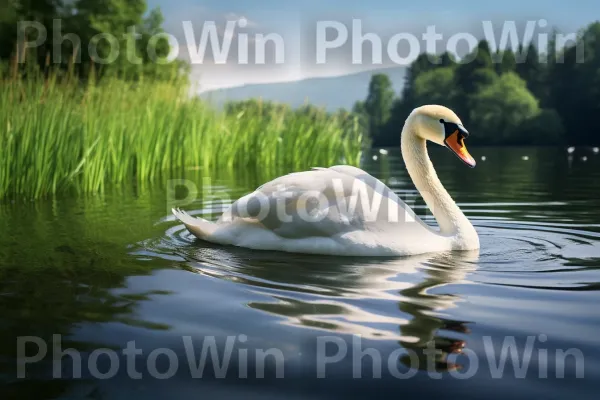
<point>532,71</point>
<point>420,65</point>
<point>14,11</point>
<point>120,19</point>
<point>378,105</point>
<point>112,17</point>
<point>501,108</point>
<point>506,62</point>
<point>359,110</point>
<point>575,90</point>
<point>436,87</point>
<point>401,107</point>
<point>518,97</point>
<point>545,128</point>
<point>447,60</point>
<point>474,72</point>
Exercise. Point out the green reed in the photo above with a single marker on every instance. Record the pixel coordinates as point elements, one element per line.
<point>61,135</point>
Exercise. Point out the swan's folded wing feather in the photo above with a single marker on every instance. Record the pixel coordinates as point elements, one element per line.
<point>377,185</point>
<point>322,202</point>
<point>295,205</point>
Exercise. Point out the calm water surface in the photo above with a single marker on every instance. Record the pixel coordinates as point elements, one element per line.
<point>108,270</point>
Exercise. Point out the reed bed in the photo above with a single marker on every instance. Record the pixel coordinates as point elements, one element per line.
<point>62,135</point>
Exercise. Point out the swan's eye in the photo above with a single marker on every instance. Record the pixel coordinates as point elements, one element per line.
<point>442,121</point>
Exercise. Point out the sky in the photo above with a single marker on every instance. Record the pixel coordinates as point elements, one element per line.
<point>300,53</point>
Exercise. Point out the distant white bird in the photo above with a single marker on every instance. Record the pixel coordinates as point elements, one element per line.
<point>571,149</point>
<point>596,150</point>
<point>483,158</point>
<point>584,158</point>
<point>525,158</point>
<point>383,151</point>
<point>375,158</point>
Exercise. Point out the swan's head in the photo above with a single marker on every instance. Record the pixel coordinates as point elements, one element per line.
<point>441,125</point>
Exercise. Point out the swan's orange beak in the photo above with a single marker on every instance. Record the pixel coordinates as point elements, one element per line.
<point>456,142</point>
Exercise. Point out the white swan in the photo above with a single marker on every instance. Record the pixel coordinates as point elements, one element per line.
<point>342,210</point>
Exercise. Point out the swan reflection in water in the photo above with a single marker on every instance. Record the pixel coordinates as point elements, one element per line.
<point>426,303</point>
<point>346,295</point>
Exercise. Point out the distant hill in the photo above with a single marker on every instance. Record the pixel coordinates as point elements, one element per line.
<point>332,92</point>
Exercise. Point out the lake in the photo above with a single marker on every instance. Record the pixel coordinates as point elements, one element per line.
<point>149,311</point>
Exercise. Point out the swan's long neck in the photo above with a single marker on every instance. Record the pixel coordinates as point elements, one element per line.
<point>449,217</point>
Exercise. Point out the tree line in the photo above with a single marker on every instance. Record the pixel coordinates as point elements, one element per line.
<point>128,21</point>
<point>508,97</point>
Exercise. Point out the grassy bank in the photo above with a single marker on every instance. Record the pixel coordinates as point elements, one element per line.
<point>59,137</point>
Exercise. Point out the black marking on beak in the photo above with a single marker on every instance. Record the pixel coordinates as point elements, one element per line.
<point>451,127</point>
<point>454,140</point>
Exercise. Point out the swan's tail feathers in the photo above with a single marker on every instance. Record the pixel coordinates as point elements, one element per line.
<point>199,227</point>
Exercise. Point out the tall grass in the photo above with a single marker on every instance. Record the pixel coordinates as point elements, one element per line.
<point>58,136</point>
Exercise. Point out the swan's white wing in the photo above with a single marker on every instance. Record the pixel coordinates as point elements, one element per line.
<point>323,203</point>
<point>336,210</point>
<point>370,180</point>
<point>389,196</point>
<point>296,205</point>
